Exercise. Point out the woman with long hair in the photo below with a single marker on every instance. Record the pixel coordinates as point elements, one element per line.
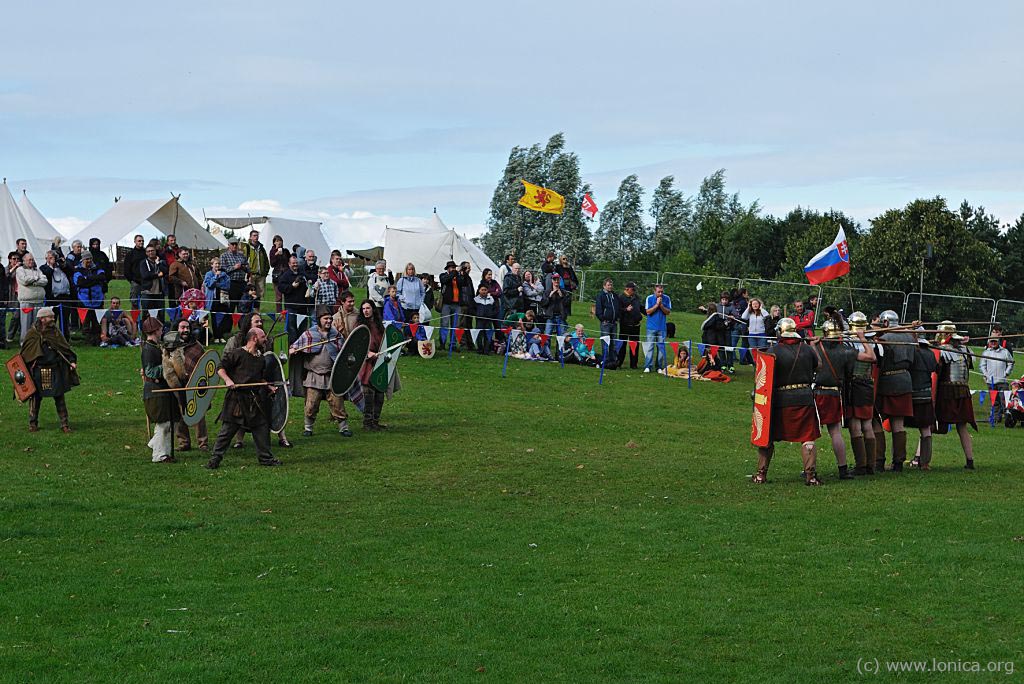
<point>373,399</point>
<point>757,320</point>
<point>278,257</point>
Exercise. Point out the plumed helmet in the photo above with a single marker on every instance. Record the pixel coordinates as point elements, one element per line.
<point>786,327</point>
<point>830,330</point>
<point>889,318</point>
<point>858,321</point>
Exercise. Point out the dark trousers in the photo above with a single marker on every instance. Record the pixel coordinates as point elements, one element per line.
<point>629,332</point>
<point>153,301</point>
<point>35,402</point>
<point>220,320</point>
<point>373,404</point>
<point>260,438</point>
<point>236,288</point>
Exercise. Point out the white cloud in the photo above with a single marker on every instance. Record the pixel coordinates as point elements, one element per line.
<point>69,225</point>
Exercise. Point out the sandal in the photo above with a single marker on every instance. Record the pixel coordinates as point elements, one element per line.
<point>813,481</point>
<point>760,478</point>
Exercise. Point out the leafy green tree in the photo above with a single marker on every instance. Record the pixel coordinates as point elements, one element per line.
<point>721,223</point>
<point>808,232</point>
<point>1013,261</point>
<point>890,254</point>
<point>672,213</point>
<point>623,236</point>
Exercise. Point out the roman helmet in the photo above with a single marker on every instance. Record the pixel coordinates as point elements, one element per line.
<point>786,327</point>
<point>946,330</point>
<point>830,330</point>
<point>858,321</point>
<point>889,318</point>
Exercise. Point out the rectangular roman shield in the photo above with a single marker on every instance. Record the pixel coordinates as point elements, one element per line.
<point>764,382</point>
<point>24,386</point>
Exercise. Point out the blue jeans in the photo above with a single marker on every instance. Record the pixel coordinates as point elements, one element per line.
<point>757,341</point>
<point>449,314</point>
<point>608,328</point>
<point>556,323</point>
<point>655,346</point>
<point>736,340</point>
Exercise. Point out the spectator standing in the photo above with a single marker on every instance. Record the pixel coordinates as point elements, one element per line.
<point>554,305</point>
<point>278,256</point>
<point>774,316</point>
<point>486,306</point>
<point>804,319</point>
<point>217,288</point>
<point>606,308</point>
<point>996,366</point>
<point>505,268</point>
<point>377,285</point>
<point>292,285</point>
<point>512,290</point>
<point>533,293</point>
<point>338,273</point>
<point>740,327</point>
<point>10,292</point>
<point>234,263</point>
<point>657,308</point>
<point>182,274</point>
<point>89,287</point>
<point>101,261</point>
<point>410,291</point>
<point>325,290</point>
<point>451,298</point>
<point>259,264</point>
<point>630,316</point>
<point>757,324</point>
<point>548,267</point>
<point>152,282</point>
<point>130,271</point>
<point>169,253</point>
<point>58,290</point>
<point>570,283</point>
<point>31,291</point>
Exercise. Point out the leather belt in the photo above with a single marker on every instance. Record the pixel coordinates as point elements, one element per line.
<point>827,387</point>
<point>794,387</point>
<point>895,372</point>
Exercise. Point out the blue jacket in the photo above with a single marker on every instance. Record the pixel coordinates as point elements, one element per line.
<point>606,307</point>
<point>89,285</point>
<point>212,283</point>
<point>393,311</point>
<point>410,292</point>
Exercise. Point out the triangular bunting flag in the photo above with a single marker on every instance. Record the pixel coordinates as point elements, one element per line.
<point>201,314</point>
<point>507,329</point>
<point>606,339</point>
<point>186,313</point>
<point>100,313</point>
<point>992,397</point>
<point>459,332</point>
<point>561,340</point>
<point>387,323</point>
<point>701,348</point>
<point>633,344</point>
<point>514,334</point>
<point>428,330</point>
<point>618,345</point>
<point>134,313</point>
<point>153,313</point>
<point>299,318</point>
<point>272,316</point>
<point>82,313</point>
<point>413,327</point>
<point>590,343</point>
<point>236,318</point>
<point>474,334</point>
<point>675,349</point>
<point>544,339</point>
<point>714,350</point>
<point>26,309</point>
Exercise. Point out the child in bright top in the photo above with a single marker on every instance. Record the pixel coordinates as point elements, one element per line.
<point>580,352</point>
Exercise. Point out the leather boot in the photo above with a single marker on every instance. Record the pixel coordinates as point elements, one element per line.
<point>869,456</point>
<point>764,458</point>
<point>860,457</point>
<point>880,453</point>
<point>926,453</point>
<point>810,464</point>
<point>899,450</point>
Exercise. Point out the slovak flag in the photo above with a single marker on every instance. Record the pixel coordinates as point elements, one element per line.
<point>589,206</point>
<point>829,263</point>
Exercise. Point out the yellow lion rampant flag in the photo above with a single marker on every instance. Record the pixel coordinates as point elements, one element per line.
<point>541,199</point>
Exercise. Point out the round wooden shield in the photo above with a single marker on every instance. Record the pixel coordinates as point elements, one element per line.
<point>387,362</point>
<point>350,360</point>
<point>274,374</point>
<point>197,395</point>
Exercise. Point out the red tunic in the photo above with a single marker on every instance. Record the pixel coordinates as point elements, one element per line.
<point>896,405</point>
<point>830,409</point>
<point>795,424</point>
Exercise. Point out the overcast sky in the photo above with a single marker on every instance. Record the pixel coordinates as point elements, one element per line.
<point>372,113</point>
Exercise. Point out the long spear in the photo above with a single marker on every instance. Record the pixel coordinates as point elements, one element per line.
<point>218,387</point>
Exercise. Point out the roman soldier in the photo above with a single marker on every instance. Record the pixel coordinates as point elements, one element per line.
<point>830,381</point>
<point>953,397</point>
<point>246,407</point>
<point>859,402</point>
<point>161,407</point>
<point>53,366</point>
<point>793,416</point>
<point>182,351</point>
<point>894,401</point>
<point>922,375</point>
<point>316,349</point>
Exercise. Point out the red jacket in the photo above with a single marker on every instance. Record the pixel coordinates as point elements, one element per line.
<point>804,322</point>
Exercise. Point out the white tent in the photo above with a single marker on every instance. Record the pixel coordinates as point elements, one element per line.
<point>167,216</point>
<point>431,247</point>
<point>305,233</point>
<point>14,226</point>
<point>42,229</point>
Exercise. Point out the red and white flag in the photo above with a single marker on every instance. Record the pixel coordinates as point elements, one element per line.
<point>589,206</point>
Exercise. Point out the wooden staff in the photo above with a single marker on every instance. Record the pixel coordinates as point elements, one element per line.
<point>218,387</point>
<point>315,344</point>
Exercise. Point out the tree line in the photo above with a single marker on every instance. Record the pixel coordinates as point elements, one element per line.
<point>712,231</point>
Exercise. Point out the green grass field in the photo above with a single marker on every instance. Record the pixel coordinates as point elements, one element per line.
<point>529,528</point>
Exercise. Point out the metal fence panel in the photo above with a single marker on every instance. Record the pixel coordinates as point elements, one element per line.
<point>1010,313</point>
<point>973,314</point>
<point>783,293</point>
<point>592,280</point>
<point>684,292</point>
<point>865,299</point>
